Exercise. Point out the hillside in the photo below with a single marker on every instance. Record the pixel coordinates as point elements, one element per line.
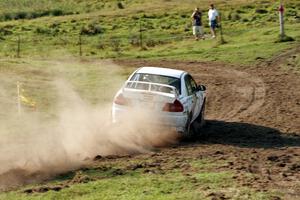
<point>142,29</point>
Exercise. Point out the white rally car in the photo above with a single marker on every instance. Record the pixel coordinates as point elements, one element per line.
<point>172,94</point>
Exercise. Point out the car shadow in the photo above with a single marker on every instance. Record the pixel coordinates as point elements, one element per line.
<point>245,135</point>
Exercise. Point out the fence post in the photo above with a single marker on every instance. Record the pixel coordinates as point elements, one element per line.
<point>19,46</point>
<point>281,20</point>
<point>80,45</point>
<point>221,29</point>
<point>141,35</point>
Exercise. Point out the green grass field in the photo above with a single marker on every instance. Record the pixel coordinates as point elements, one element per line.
<point>250,30</point>
<point>115,180</point>
<point>49,49</point>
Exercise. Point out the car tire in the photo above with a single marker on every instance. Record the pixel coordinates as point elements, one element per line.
<point>188,132</point>
<point>202,116</point>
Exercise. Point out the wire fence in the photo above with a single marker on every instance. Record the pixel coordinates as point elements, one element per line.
<point>15,45</point>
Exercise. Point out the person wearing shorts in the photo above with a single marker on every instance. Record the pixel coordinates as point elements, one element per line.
<point>197,24</point>
<point>213,16</point>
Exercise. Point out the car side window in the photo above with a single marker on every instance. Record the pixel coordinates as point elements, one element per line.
<point>194,84</point>
<point>188,85</point>
<point>191,85</point>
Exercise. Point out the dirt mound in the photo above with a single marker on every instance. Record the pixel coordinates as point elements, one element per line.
<point>217,196</point>
<point>77,178</point>
<point>19,176</point>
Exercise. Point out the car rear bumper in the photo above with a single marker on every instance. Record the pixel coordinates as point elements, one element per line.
<point>176,120</point>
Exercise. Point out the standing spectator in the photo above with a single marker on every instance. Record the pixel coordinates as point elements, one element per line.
<point>197,23</point>
<point>213,17</point>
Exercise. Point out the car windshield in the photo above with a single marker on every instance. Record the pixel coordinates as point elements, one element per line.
<point>154,78</point>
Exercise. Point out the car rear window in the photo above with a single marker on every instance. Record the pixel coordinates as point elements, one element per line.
<point>154,78</point>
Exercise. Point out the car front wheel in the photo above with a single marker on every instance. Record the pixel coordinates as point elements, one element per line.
<point>199,121</point>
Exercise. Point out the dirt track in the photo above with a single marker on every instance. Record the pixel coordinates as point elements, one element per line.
<point>253,127</point>
<point>254,122</point>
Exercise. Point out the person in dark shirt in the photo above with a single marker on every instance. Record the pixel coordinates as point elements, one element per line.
<point>197,24</point>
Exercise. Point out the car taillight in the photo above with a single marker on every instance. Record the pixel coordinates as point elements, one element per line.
<point>121,100</point>
<point>173,107</point>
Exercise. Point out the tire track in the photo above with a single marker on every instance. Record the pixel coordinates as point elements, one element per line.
<point>264,94</point>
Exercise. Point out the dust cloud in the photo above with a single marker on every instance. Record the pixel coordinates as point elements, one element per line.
<point>34,148</point>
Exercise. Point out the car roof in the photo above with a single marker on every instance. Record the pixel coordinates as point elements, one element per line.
<point>161,71</point>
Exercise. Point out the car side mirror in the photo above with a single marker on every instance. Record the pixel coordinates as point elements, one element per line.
<point>201,88</point>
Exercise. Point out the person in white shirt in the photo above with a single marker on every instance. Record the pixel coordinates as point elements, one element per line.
<point>213,17</point>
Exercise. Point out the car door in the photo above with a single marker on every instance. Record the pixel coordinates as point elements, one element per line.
<point>198,97</point>
<point>191,97</point>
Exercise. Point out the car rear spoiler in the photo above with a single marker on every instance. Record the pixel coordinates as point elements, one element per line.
<point>151,88</point>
